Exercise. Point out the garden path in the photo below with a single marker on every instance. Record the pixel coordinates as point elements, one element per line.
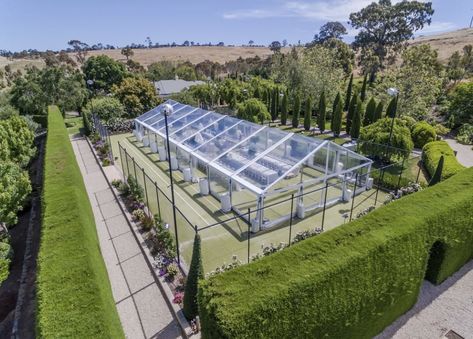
<point>142,308</point>
<point>464,152</point>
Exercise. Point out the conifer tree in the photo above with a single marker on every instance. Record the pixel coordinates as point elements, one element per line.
<point>363,88</point>
<point>296,111</point>
<point>307,113</point>
<point>392,108</point>
<point>196,272</point>
<point>379,111</point>
<point>348,94</point>
<point>370,112</point>
<point>356,124</point>
<point>284,109</point>
<point>321,116</point>
<point>335,103</point>
<point>337,119</point>
<point>351,111</point>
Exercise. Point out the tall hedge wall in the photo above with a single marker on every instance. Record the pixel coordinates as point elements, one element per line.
<point>74,295</point>
<point>352,281</point>
<point>431,154</point>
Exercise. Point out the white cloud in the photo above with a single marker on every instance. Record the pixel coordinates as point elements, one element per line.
<point>437,27</point>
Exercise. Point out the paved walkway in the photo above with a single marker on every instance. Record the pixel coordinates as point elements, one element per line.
<point>464,152</point>
<point>142,308</point>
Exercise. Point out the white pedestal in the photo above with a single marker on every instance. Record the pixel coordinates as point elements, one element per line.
<point>162,153</point>
<point>225,201</point>
<point>187,174</point>
<point>154,147</point>
<point>174,164</point>
<point>146,141</point>
<point>339,167</point>
<point>369,184</point>
<point>139,136</point>
<point>254,226</point>
<point>204,186</point>
<point>300,210</point>
<point>347,194</point>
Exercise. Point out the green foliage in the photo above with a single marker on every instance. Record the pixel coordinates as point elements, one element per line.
<point>137,95</point>
<point>337,119</point>
<point>196,273</point>
<point>16,141</point>
<point>338,98</point>
<point>15,187</point>
<point>461,103</point>
<point>296,109</point>
<point>363,88</point>
<point>374,135</point>
<point>161,70</point>
<point>437,177</point>
<point>349,282</point>
<point>107,108</point>
<point>465,134</point>
<point>274,103</point>
<point>370,113</point>
<point>322,113</point>
<point>284,109</point>
<point>73,291</point>
<point>135,190</point>
<point>253,110</point>
<point>356,126</point>
<point>186,72</point>
<point>379,111</point>
<point>104,71</point>
<point>307,113</point>
<point>423,133</point>
<point>431,154</point>
<point>351,111</point>
<point>392,108</point>
<point>348,93</point>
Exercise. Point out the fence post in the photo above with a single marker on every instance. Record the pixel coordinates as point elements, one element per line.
<point>325,205</point>
<point>121,160</point>
<point>249,233</point>
<point>354,194</point>
<point>400,174</point>
<point>146,190</point>
<point>379,183</point>
<point>157,198</point>
<point>134,168</point>
<point>127,165</point>
<point>290,220</point>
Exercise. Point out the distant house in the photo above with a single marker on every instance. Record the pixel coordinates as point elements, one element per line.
<point>165,88</point>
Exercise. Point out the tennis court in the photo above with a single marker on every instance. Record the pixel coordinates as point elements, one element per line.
<point>222,242</point>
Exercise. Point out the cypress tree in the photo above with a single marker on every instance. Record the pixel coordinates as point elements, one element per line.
<point>351,111</point>
<point>337,119</point>
<point>379,111</point>
<point>335,103</point>
<point>392,108</point>
<point>257,93</point>
<point>307,113</point>
<point>273,105</point>
<point>322,113</point>
<point>284,109</point>
<point>348,94</point>
<point>196,272</point>
<point>370,112</point>
<point>437,177</point>
<point>363,88</point>
<point>268,99</point>
<point>296,111</point>
<point>356,125</point>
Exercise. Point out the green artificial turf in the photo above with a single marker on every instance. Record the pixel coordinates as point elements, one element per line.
<point>74,294</point>
<point>349,282</point>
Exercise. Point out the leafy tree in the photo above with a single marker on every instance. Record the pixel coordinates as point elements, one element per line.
<point>461,103</point>
<point>107,108</point>
<point>321,116</point>
<point>363,88</point>
<point>378,134</point>
<point>137,95</point>
<point>275,47</point>
<point>337,119</point>
<point>391,110</point>
<point>351,111</point>
<point>330,30</point>
<point>15,187</point>
<point>467,59</point>
<point>16,141</point>
<point>284,109</point>
<point>253,110</point>
<point>296,111</point>
<point>385,28</point>
<point>349,93</point>
<point>344,55</point>
<point>356,125</point>
<point>196,273</point>
<point>423,133</point>
<point>28,96</point>
<point>455,67</point>
<point>80,48</point>
<point>186,72</point>
<point>161,70</point>
<point>127,52</point>
<point>307,113</point>
<point>370,112</point>
<point>104,71</point>
<point>379,111</point>
<point>437,177</point>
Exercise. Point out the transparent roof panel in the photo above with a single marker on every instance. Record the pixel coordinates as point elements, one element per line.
<point>159,123</point>
<point>225,141</point>
<point>210,132</point>
<point>196,126</point>
<point>184,121</point>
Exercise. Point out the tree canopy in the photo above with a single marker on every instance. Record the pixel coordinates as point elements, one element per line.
<point>253,110</point>
<point>104,71</point>
<point>330,30</point>
<point>137,95</point>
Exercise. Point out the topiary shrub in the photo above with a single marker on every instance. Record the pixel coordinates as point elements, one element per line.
<point>196,272</point>
<point>431,154</point>
<point>423,133</point>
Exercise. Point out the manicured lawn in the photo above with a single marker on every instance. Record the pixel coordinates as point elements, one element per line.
<point>74,294</point>
<point>73,124</point>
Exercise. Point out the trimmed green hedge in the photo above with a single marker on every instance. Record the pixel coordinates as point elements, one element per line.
<point>352,281</point>
<point>74,295</point>
<point>431,154</point>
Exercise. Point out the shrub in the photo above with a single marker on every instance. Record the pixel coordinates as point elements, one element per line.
<point>441,129</point>
<point>106,162</point>
<point>196,272</point>
<point>74,295</point>
<point>423,133</point>
<point>147,223</point>
<point>431,154</point>
<point>138,214</point>
<point>461,103</point>
<point>6,252</point>
<point>349,282</point>
<point>136,191</point>
<point>465,134</point>
<point>172,271</point>
<point>106,108</point>
<point>116,183</point>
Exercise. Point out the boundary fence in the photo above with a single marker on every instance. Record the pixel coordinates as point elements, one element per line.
<point>159,203</point>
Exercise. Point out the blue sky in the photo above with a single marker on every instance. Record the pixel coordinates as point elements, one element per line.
<point>49,24</point>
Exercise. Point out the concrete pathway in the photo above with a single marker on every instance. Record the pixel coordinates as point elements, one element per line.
<point>464,152</point>
<point>438,310</point>
<point>141,306</point>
